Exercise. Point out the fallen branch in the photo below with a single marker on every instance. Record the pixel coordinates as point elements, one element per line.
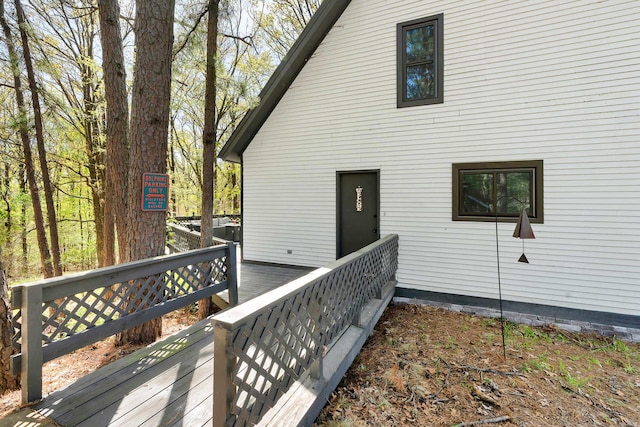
<point>494,388</point>
<point>486,421</point>
<point>446,379</point>
<point>491,371</point>
<point>485,398</point>
<point>567,388</point>
<point>517,393</point>
<point>580,343</point>
<point>599,404</point>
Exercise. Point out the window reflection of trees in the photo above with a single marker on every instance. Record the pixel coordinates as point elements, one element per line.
<point>509,191</point>
<point>420,58</point>
<point>420,82</point>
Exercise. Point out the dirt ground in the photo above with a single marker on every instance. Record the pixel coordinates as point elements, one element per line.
<point>424,366</point>
<point>429,367</point>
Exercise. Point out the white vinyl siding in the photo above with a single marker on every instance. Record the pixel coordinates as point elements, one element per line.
<point>552,80</point>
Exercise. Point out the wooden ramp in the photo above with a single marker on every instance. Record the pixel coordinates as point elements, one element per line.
<point>304,401</point>
<point>168,383</point>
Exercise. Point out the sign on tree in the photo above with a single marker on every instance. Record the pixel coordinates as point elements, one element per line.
<point>155,191</point>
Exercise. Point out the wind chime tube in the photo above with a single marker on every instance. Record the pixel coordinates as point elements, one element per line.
<point>523,231</point>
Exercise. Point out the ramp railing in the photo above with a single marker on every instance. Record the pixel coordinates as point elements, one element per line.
<point>265,345</point>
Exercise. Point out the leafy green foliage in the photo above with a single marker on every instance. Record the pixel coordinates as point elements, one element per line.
<point>281,21</point>
<point>252,40</point>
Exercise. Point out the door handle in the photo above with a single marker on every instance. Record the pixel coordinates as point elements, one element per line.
<point>375,230</point>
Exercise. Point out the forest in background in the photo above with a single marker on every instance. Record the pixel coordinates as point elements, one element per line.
<point>54,48</point>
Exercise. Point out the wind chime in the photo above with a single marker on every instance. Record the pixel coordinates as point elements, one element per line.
<point>523,231</point>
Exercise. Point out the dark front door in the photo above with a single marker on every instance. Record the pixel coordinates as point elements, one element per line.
<point>358,210</point>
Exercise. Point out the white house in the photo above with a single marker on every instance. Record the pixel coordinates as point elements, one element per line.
<point>419,117</point>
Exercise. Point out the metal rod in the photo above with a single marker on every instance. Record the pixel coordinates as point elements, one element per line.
<point>504,348</point>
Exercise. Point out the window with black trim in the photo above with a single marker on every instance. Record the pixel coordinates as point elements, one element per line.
<point>484,191</point>
<point>420,62</point>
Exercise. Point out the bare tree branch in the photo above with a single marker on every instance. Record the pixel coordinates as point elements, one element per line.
<point>192,30</point>
<point>246,39</point>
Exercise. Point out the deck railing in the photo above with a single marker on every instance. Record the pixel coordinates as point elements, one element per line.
<point>265,345</point>
<point>185,221</point>
<point>181,239</point>
<point>59,315</point>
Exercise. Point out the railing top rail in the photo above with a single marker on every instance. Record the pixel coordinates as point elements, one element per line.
<point>56,287</point>
<point>234,317</point>
<point>185,239</point>
<point>181,227</point>
<point>191,217</point>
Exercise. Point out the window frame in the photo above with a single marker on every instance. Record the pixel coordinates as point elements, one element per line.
<point>437,21</point>
<point>537,215</point>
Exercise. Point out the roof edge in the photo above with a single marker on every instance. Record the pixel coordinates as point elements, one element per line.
<point>294,61</point>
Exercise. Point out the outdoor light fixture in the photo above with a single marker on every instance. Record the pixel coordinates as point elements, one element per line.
<point>523,231</point>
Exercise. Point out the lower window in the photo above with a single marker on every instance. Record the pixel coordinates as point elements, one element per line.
<point>486,191</point>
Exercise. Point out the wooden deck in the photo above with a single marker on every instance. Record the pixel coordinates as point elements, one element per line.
<point>166,384</point>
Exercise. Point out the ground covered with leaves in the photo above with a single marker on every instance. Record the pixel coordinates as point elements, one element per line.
<point>424,366</point>
<point>430,367</point>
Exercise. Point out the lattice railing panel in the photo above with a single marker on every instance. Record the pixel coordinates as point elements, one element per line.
<point>181,239</point>
<point>187,221</point>
<point>275,345</point>
<point>16,322</point>
<point>72,314</point>
<point>56,316</point>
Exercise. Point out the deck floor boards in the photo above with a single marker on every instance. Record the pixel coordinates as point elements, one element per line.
<point>167,383</point>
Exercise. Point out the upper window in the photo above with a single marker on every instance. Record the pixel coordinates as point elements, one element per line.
<point>420,62</point>
<point>486,191</point>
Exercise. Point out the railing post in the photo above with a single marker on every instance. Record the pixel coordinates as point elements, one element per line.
<point>356,321</point>
<point>317,366</point>
<point>224,390</point>
<point>232,274</point>
<point>31,348</point>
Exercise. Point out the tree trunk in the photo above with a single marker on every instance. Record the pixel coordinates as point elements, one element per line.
<point>98,218</point>
<point>7,380</point>
<point>209,142</point>
<point>44,167</point>
<point>149,138</point>
<point>235,204</point>
<point>117,143</point>
<point>43,245</point>
<point>95,152</point>
<point>172,172</point>
<point>24,268</point>
<point>8,223</point>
